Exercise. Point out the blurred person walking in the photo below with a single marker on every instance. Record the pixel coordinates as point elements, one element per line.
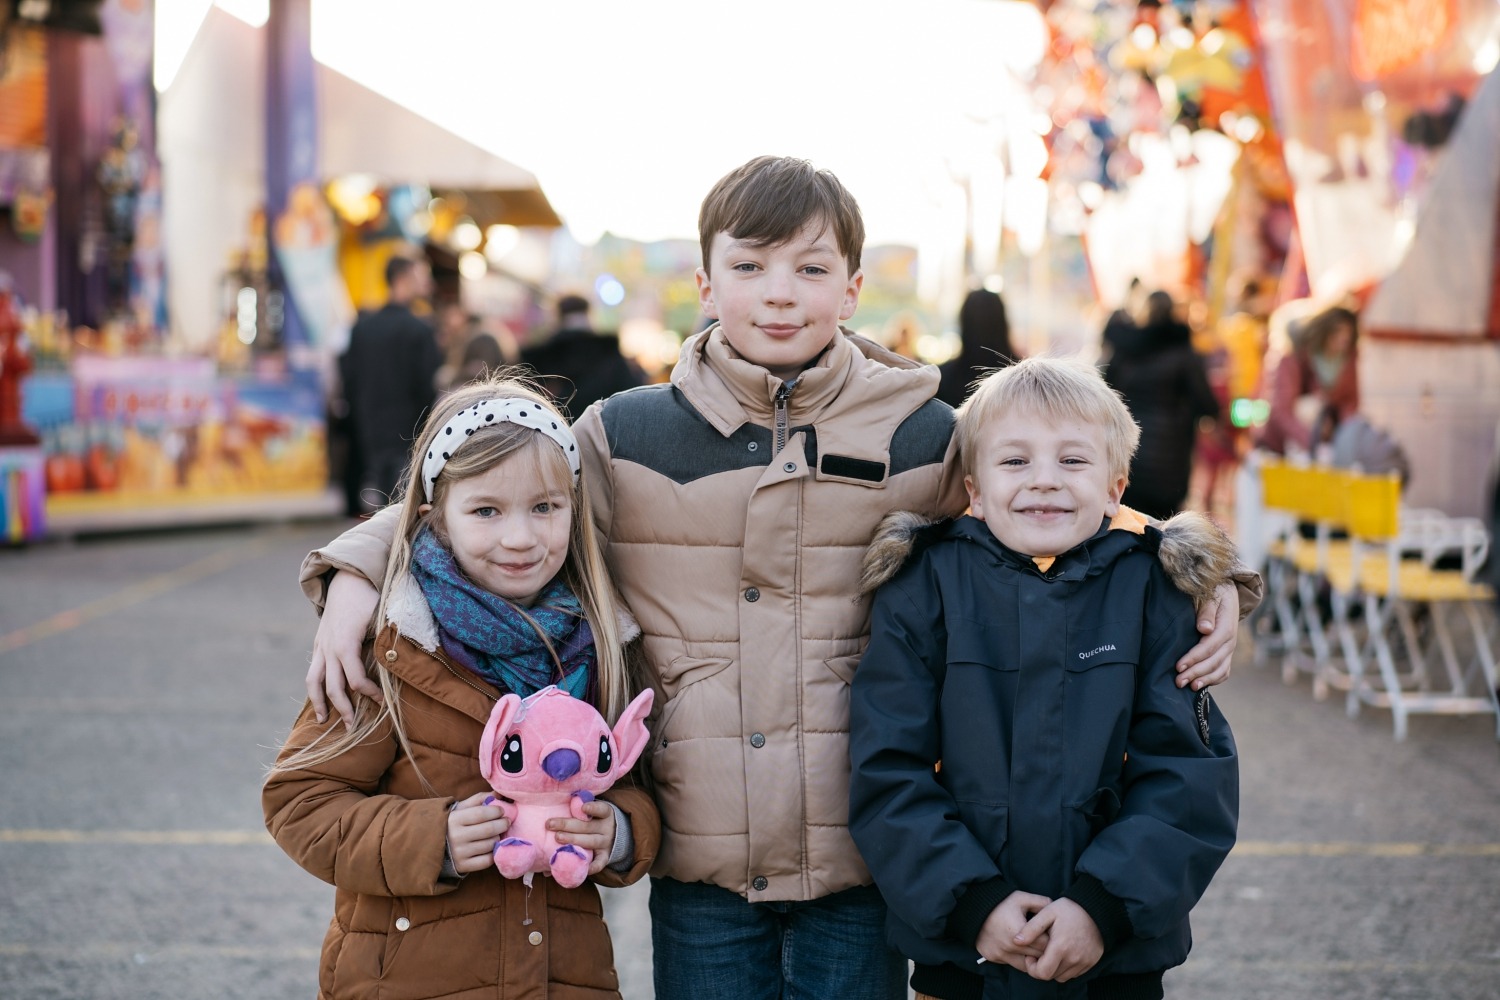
<point>1234,363</point>
<point>1165,385</point>
<point>577,365</point>
<point>389,374</point>
<point>984,332</point>
<point>1314,385</point>
<point>1122,322</point>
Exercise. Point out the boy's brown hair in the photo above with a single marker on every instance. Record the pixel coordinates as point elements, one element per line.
<point>766,201</point>
<point>1060,388</point>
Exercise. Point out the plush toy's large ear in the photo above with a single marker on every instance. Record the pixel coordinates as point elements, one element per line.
<point>631,734</point>
<point>495,729</point>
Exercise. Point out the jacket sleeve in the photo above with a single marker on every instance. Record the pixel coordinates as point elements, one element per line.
<point>1179,803</point>
<point>362,550</point>
<point>645,827</point>
<point>925,861</point>
<point>426,359</point>
<point>332,821</point>
<point>593,446</point>
<point>1201,396</point>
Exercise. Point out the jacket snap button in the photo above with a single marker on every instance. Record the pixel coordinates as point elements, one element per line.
<point>535,937</point>
<point>757,741</point>
<point>402,923</point>
<point>752,594</point>
<point>752,446</point>
<point>790,467</point>
<point>390,656</point>
<point>759,883</point>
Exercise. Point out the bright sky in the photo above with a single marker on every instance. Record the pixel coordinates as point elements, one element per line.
<point>627,113</point>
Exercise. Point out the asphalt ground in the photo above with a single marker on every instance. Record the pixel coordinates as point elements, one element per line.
<point>144,680</point>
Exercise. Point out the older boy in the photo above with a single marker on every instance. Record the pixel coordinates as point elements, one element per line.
<point>1030,787</point>
<point>736,503</point>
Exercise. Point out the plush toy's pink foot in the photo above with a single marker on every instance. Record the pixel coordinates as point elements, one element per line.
<point>570,866</point>
<point>515,857</point>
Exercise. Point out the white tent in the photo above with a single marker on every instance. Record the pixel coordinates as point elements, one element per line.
<point>1429,361</point>
<point>211,140</point>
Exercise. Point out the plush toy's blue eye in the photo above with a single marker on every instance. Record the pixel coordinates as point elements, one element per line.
<point>511,758</point>
<point>606,758</point>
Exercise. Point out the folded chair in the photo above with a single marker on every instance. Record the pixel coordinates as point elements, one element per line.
<point>1394,575</point>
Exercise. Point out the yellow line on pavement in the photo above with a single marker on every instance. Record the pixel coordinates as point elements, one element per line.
<point>1353,849</point>
<point>144,953</point>
<point>135,593</point>
<point>214,838</point>
<point>1245,849</point>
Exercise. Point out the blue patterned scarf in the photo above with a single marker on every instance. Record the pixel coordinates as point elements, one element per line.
<point>490,636</point>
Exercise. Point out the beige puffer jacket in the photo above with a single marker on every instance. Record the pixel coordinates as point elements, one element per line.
<point>735,529</point>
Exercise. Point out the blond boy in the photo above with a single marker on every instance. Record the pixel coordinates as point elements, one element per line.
<point>1037,799</point>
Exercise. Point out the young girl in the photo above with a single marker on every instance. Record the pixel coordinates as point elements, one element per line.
<point>496,585</point>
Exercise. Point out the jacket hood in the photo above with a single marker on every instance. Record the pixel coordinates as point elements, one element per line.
<point>1194,551</point>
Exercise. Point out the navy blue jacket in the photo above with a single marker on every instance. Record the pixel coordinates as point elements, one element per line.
<point>1071,763</point>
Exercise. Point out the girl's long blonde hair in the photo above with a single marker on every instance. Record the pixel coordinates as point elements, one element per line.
<point>583,569</point>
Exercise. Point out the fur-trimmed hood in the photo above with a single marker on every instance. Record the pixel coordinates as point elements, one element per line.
<point>1195,552</point>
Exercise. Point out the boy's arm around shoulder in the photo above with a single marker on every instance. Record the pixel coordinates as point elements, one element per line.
<point>932,871</point>
<point>331,819</point>
<point>1179,795</point>
<point>362,550</point>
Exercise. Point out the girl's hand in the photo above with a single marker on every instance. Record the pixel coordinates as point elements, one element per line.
<point>473,828</point>
<point>597,833</point>
<point>338,665</point>
<point>1207,663</point>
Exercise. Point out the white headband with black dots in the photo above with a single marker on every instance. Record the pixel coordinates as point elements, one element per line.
<point>486,413</point>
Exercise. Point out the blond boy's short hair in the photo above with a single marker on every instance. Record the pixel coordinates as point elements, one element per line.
<point>1059,388</point>
<point>768,200</point>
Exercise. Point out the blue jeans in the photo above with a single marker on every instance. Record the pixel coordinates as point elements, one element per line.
<point>709,942</point>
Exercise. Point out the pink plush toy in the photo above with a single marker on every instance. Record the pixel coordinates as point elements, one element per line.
<point>548,755</point>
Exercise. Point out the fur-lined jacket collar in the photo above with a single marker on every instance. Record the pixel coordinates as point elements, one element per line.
<point>1194,551</point>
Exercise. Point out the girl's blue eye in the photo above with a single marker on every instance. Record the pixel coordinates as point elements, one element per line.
<point>484,511</point>
<point>543,508</point>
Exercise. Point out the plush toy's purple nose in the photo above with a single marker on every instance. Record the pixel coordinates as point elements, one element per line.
<point>560,764</point>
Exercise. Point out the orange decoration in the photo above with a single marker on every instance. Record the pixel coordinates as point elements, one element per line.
<point>1390,35</point>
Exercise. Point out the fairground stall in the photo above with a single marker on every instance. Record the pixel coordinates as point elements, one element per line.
<point>190,283</point>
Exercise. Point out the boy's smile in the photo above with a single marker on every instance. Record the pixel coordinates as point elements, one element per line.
<point>1041,484</point>
<point>780,306</point>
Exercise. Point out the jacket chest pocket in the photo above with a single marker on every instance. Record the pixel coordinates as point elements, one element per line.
<point>978,644</point>
<point>1101,663</point>
<point>1111,646</point>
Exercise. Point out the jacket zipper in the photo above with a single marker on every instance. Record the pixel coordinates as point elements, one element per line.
<point>462,675</point>
<point>782,395</point>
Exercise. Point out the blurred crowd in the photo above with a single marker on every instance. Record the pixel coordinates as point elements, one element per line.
<point>1204,392</point>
